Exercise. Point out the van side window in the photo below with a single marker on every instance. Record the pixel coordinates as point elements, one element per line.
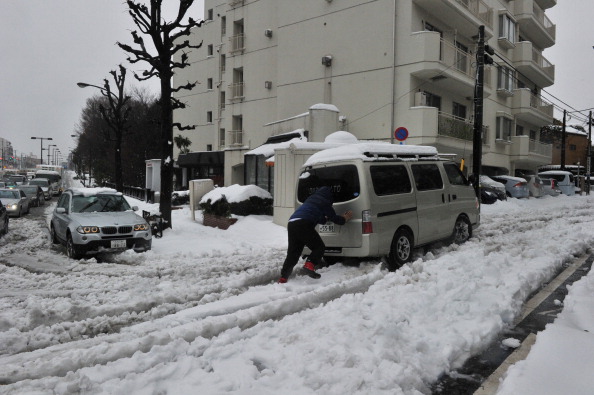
<point>427,177</point>
<point>390,180</point>
<point>455,176</point>
<point>343,180</point>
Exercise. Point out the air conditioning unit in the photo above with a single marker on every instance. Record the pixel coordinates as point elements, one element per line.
<point>327,60</point>
<point>268,33</point>
<point>421,99</point>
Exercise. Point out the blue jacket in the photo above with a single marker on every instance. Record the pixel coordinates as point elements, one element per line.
<point>317,208</point>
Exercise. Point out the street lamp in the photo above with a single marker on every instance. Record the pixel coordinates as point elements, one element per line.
<point>41,138</point>
<point>48,152</point>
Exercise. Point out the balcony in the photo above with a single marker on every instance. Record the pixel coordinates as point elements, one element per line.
<point>464,15</point>
<point>530,152</point>
<point>530,108</point>
<point>449,125</point>
<point>531,63</point>
<point>234,138</point>
<point>234,3</point>
<point>534,24</point>
<point>237,43</point>
<point>236,91</point>
<point>546,4</point>
<point>431,58</point>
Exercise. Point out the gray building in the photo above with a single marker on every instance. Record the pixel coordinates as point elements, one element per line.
<point>383,64</point>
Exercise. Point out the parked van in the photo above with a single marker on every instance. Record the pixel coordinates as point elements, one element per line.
<point>564,179</point>
<point>402,197</point>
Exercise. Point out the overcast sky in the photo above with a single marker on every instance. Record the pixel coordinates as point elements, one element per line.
<point>47,46</point>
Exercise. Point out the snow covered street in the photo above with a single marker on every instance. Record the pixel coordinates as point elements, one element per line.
<point>202,312</point>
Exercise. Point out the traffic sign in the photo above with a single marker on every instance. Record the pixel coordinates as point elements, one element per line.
<point>401,134</point>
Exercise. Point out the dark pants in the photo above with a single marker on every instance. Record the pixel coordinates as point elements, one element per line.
<point>301,234</point>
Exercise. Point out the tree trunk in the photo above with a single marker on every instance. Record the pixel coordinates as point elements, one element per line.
<point>166,144</point>
<point>118,165</point>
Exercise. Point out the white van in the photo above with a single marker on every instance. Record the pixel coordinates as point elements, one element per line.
<point>564,179</point>
<point>402,197</point>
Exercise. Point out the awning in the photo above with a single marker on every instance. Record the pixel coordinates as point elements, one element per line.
<point>206,158</point>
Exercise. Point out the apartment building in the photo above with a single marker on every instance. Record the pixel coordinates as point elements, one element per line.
<point>382,64</point>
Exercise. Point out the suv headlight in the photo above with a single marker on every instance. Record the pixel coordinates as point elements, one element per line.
<point>87,229</point>
<point>139,227</point>
<point>11,206</point>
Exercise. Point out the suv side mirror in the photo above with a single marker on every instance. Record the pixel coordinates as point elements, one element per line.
<point>134,208</point>
<point>60,210</point>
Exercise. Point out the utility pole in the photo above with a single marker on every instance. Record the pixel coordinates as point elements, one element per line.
<point>563,140</point>
<point>589,158</point>
<point>477,144</point>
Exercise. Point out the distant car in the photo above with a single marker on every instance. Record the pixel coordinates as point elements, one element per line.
<point>45,186</point>
<point>534,185</point>
<point>90,221</point>
<point>565,180</point>
<point>15,201</point>
<point>549,187</point>
<point>514,186</point>
<point>35,194</point>
<point>491,190</point>
<point>18,179</point>
<point>3,219</point>
<point>9,184</point>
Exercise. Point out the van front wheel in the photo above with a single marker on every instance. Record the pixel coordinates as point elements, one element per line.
<point>400,250</point>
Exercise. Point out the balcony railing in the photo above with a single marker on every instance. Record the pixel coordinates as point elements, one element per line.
<point>479,9</point>
<point>236,90</point>
<point>536,147</point>
<point>237,43</point>
<point>235,138</point>
<point>543,63</point>
<point>452,126</point>
<point>541,105</point>
<point>452,55</point>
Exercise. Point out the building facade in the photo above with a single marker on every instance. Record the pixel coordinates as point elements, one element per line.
<point>384,64</point>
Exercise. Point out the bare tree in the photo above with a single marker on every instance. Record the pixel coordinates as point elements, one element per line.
<point>167,38</point>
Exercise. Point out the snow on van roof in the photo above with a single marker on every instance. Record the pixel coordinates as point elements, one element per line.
<point>358,151</point>
<point>558,172</point>
<point>53,172</point>
<point>93,191</point>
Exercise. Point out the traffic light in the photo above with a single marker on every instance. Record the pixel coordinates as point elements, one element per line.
<point>489,51</point>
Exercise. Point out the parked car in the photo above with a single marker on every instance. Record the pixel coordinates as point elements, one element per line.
<point>534,185</point>
<point>45,186</point>
<point>90,221</point>
<point>565,180</point>
<point>491,190</point>
<point>35,194</point>
<point>399,202</point>
<point>514,186</point>
<point>15,201</point>
<point>549,187</point>
<point>3,219</point>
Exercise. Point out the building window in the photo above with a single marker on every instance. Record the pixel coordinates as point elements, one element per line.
<point>462,57</point>
<point>519,130</point>
<point>221,138</point>
<point>209,147</point>
<point>209,116</point>
<point>433,100</point>
<point>572,147</point>
<point>507,28</point>
<point>533,135</point>
<point>209,84</point>
<point>223,26</point>
<point>209,15</point>
<point>459,110</point>
<point>504,128</point>
<point>210,50</point>
<point>505,79</point>
<point>222,103</point>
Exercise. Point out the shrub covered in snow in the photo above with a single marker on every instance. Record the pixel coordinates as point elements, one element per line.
<point>242,200</point>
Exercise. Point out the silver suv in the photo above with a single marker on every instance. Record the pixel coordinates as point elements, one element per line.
<point>401,197</point>
<point>94,220</point>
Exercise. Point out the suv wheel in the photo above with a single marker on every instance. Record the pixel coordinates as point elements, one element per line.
<point>400,250</point>
<point>53,235</point>
<point>72,250</point>
<point>462,230</point>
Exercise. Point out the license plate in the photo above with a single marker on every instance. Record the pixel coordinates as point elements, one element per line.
<point>327,228</point>
<point>118,244</point>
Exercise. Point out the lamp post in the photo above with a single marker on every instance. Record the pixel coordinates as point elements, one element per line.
<point>116,116</point>
<point>41,152</point>
<point>48,152</point>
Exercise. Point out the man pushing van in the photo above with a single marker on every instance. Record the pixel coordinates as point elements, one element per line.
<point>317,209</point>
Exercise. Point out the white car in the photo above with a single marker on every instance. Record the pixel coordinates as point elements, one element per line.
<point>15,201</point>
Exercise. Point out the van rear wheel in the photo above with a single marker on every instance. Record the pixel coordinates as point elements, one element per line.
<point>400,250</point>
<point>462,230</point>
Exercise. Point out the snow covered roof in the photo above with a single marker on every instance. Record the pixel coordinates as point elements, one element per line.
<point>365,151</point>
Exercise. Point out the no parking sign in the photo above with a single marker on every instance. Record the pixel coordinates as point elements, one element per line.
<point>401,134</point>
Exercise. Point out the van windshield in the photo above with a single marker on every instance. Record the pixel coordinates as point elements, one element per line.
<point>343,180</point>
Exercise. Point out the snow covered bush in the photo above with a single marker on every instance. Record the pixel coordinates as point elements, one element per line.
<point>242,199</point>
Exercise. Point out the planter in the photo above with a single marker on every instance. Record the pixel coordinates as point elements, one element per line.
<point>214,221</point>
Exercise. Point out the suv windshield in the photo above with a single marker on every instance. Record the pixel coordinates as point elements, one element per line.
<point>101,203</point>
<point>343,180</point>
